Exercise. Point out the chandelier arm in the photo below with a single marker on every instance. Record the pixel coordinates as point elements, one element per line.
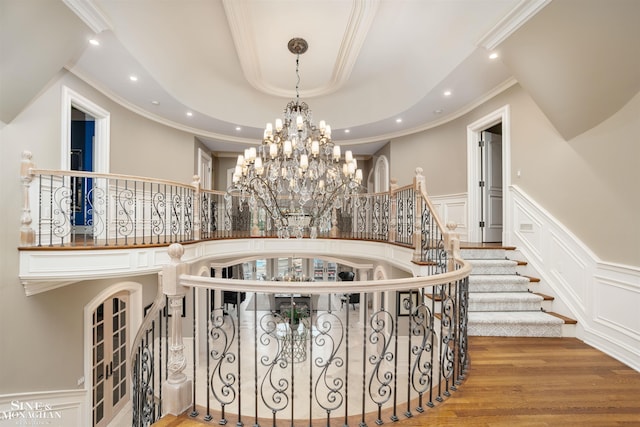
<point>282,218</point>
<point>327,200</point>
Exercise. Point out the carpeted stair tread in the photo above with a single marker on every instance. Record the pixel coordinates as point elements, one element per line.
<point>504,301</point>
<point>493,266</point>
<point>498,283</point>
<point>523,324</point>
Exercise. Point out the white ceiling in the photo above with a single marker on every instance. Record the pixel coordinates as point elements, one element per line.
<point>369,63</point>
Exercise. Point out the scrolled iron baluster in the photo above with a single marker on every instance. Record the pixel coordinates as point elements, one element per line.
<point>463,303</point>
<point>426,234</point>
<point>400,217</point>
<point>273,388</point>
<point>205,219</point>
<point>96,200</point>
<point>380,390</point>
<point>188,215</point>
<point>447,354</point>
<point>410,215</point>
<point>158,214</point>
<point>422,325</point>
<point>176,208</point>
<point>222,330</point>
<point>125,202</point>
<point>61,213</point>
<point>325,340</point>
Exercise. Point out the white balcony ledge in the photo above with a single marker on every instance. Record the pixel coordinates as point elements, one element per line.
<point>42,270</point>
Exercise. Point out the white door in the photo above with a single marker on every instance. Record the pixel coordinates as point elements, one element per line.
<point>491,187</point>
<point>110,385</point>
<point>204,169</point>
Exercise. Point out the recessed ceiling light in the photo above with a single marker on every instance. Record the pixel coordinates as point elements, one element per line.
<point>189,113</point>
<point>493,55</point>
<point>94,42</point>
<point>238,128</point>
<point>133,78</point>
<point>155,102</point>
<point>398,120</point>
<point>447,93</point>
<point>347,131</point>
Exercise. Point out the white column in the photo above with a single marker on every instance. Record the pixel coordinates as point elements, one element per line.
<point>176,390</point>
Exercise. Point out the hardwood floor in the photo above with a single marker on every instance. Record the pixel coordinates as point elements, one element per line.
<point>523,382</point>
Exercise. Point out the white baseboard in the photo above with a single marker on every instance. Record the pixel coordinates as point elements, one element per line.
<point>603,297</point>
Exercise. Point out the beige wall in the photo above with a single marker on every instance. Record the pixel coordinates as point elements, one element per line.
<point>41,336</point>
<point>589,183</point>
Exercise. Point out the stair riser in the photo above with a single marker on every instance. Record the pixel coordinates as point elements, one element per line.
<point>489,287</point>
<point>504,306</point>
<point>482,269</point>
<point>470,254</point>
<point>511,330</point>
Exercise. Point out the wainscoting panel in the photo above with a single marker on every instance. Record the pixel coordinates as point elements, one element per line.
<point>528,228</point>
<point>603,297</point>
<point>568,269</point>
<point>453,208</point>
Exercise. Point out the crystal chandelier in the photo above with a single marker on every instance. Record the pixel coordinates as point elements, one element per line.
<point>297,174</point>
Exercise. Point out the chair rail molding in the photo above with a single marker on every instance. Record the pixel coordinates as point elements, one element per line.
<point>580,280</point>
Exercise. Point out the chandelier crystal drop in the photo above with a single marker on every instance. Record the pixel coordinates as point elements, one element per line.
<point>297,175</point>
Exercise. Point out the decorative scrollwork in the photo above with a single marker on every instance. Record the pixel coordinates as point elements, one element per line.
<point>125,201</point>
<point>328,339</point>
<point>447,352</point>
<point>422,326</point>
<point>61,213</point>
<point>222,334</point>
<point>275,386</point>
<point>158,214</point>
<point>382,325</point>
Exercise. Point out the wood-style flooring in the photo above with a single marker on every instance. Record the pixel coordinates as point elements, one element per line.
<point>522,382</point>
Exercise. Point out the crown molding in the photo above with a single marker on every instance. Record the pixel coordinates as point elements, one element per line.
<point>90,13</point>
<point>360,20</point>
<point>511,22</point>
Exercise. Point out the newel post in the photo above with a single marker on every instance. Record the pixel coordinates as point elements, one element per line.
<point>419,187</point>
<point>27,234</point>
<point>452,245</point>
<point>177,387</point>
<point>197,212</point>
<point>393,211</point>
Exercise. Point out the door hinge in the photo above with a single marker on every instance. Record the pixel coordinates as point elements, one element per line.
<point>481,143</point>
<point>481,223</point>
<point>481,183</point>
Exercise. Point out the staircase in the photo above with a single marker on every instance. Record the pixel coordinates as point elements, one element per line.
<point>503,303</point>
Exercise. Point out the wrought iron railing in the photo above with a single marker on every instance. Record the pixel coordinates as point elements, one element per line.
<point>77,209</point>
<point>275,352</point>
<point>411,335</point>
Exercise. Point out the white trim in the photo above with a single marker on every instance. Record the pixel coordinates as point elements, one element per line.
<point>101,149</point>
<point>207,158</point>
<point>102,144</point>
<point>510,23</point>
<point>135,320</point>
<point>602,296</point>
<point>381,177</point>
<point>453,208</point>
<point>90,14</point>
<point>501,115</point>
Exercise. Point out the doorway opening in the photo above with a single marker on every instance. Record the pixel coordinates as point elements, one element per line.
<point>488,177</point>
<point>81,159</point>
